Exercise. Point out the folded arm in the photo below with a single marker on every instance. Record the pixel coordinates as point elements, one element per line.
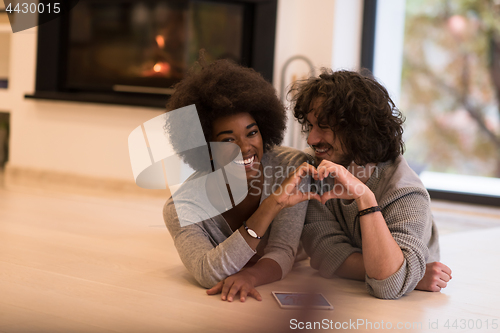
<point>325,241</point>
<point>405,219</point>
<point>197,247</point>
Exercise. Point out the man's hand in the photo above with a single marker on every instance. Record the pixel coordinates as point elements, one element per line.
<point>347,186</point>
<point>241,282</point>
<point>435,278</point>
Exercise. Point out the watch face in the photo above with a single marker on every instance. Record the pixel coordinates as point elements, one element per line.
<point>252,233</point>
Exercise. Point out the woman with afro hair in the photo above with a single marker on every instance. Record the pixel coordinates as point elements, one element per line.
<point>261,233</point>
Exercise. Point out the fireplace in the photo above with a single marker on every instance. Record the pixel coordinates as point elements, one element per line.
<point>133,52</point>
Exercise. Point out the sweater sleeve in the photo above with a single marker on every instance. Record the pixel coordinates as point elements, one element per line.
<point>208,262</point>
<point>284,236</point>
<point>408,218</point>
<point>324,240</point>
<point>286,228</point>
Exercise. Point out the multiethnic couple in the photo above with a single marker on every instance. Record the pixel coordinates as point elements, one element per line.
<point>368,217</point>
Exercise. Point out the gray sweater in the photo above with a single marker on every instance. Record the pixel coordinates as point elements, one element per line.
<point>211,251</point>
<point>332,232</point>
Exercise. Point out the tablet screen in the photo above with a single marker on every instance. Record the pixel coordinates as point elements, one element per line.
<point>302,299</point>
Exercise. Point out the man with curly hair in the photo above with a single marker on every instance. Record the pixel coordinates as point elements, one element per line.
<point>374,223</point>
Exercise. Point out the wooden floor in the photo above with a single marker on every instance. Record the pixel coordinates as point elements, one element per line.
<point>72,263</point>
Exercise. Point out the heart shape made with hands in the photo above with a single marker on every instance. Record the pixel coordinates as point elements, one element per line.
<point>343,184</point>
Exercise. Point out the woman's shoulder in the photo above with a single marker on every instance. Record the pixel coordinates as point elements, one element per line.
<point>171,219</point>
<point>169,213</point>
<point>285,156</point>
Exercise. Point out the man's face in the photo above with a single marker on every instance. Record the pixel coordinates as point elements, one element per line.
<point>321,137</point>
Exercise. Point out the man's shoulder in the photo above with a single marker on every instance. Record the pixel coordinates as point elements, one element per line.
<point>402,175</point>
<point>398,178</point>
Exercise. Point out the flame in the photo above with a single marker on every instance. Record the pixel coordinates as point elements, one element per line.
<point>162,68</point>
<point>160,40</point>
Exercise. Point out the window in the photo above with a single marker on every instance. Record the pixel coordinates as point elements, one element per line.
<point>447,86</point>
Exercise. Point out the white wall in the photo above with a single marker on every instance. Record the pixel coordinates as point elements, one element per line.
<point>303,28</point>
<point>76,138</point>
<point>348,24</point>
<point>91,139</point>
<point>327,32</point>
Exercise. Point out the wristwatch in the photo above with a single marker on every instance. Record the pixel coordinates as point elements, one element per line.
<point>250,232</point>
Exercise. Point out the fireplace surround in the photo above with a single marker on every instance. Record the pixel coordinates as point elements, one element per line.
<point>132,52</point>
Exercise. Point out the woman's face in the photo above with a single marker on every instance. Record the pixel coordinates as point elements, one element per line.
<point>242,130</point>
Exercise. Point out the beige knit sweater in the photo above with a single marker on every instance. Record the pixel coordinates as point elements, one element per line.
<point>332,231</point>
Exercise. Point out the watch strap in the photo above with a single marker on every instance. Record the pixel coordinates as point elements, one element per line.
<point>369,210</point>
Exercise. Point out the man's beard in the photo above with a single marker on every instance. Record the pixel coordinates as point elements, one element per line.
<point>345,161</point>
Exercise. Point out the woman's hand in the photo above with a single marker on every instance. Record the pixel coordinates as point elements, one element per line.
<point>288,193</point>
<point>242,282</point>
<point>347,186</point>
